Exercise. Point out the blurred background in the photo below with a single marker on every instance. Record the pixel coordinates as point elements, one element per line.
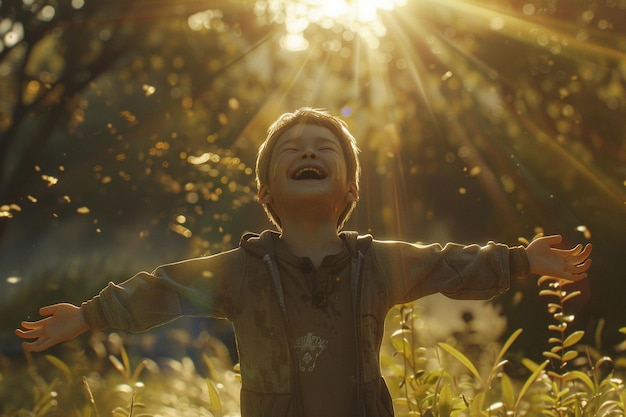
<point>129,128</point>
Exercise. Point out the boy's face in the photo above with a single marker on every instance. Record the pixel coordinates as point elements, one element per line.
<point>307,162</point>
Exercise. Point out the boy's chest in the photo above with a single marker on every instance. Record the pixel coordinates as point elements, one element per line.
<point>322,335</point>
<point>320,312</point>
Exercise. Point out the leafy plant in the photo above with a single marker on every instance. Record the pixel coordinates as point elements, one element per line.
<point>573,380</point>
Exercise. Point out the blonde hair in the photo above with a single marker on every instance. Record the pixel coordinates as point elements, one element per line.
<point>311,116</point>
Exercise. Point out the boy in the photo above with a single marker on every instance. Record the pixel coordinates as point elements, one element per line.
<point>307,302</point>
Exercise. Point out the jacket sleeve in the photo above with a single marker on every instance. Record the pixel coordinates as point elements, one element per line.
<point>205,286</point>
<point>456,271</point>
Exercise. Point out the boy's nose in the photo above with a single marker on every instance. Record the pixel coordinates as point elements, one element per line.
<point>308,153</point>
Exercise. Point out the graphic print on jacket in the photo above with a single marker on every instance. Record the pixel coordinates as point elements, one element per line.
<point>308,348</point>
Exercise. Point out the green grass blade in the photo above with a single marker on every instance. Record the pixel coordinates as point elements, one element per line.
<point>498,363</point>
<point>125,361</point>
<point>444,403</point>
<point>531,379</point>
<point>214,398</point>
<point>60,365</point>
<point>463,359</point>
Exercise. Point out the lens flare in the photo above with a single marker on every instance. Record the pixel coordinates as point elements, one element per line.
<point>362,17</point>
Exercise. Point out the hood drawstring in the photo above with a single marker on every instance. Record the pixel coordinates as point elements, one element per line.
<point>272,268</point>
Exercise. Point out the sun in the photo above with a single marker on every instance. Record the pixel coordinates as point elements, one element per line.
<point>360,17</point>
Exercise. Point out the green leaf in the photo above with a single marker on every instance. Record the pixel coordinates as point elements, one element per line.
<point>549,293</point>
<point>508,392</point>
<point>555,376</point>
<point>571,295</point>
<point>117,364</point>
<point>529,364</point>
<point>420,390</point>
<point>400,345</point>
<point>551,355</point>
<point>213,373</point>
<point>444,404</point>
<point>573,338</point>
<point>125,360</point>
<point>622,397</point>
<point>476,406</point>
<point>214,398</point>
<point>499,363</point>
<point>556,349</point>
<point>531,379</point>
<point>463,359</point>
<point>137,372</point>
<point>508,344</point>
<point>570,355</point>
<point>557,327</point>
<point>60,365</point>
<point>582,377</point>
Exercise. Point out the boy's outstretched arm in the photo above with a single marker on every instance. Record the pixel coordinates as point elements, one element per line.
<point>62,322</point>
<point>544,259</point>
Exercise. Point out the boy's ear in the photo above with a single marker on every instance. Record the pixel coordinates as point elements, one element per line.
<point>353,192</point>
<point>263,195</point>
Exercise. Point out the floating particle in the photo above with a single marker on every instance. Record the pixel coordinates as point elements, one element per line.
<point>181,230</point>
<point>475,171</point>
<point>128,116</point>
<point>50,180</point>
<point>148,90</point>
<point>83,210</point>
<point>585,231</point>
<point>14,280</point>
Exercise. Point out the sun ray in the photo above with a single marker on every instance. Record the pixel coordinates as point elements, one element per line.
<point>491,129</point>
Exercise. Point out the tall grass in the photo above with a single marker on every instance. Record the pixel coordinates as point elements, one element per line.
<point>573,380</point>
<point>439,380</point>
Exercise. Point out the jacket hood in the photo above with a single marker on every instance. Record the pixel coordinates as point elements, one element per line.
<point>263,244</point>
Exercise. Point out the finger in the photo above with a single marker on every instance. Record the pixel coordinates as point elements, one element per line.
<point>569,252</point>
<point>36,346</point>
<point>587,251</point>
<point>48,310</point>
<point>578,267</point>
<point>29,334</point>
<point>552,239</point>
<point>584,266</point>
<point>581,256</point>
<point>577,277</point>
<point>577,272</point>
<point>32,324</point>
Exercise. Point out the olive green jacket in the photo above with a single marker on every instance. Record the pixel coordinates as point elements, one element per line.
<point>243,286</point>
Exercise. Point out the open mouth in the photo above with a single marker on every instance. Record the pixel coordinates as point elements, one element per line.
<point>309,173</point>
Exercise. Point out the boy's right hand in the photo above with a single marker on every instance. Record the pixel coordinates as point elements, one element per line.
<point>63,322</point>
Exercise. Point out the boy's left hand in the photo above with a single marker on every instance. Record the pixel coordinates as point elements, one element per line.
<point>570,264</point>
